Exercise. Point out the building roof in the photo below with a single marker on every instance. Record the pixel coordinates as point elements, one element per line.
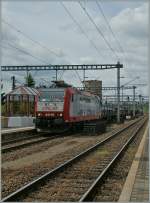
<point>22,90</point>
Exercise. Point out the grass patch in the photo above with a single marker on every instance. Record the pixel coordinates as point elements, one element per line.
<point>102,152</point>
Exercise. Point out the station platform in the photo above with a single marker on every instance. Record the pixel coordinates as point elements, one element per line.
<point>13,130</point>
<point>136,187</point>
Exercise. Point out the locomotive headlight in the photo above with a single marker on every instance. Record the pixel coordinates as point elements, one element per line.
<point>39,114</point>
<point>60,114</point>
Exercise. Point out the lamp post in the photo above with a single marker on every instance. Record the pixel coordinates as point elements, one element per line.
<point>134,101</point>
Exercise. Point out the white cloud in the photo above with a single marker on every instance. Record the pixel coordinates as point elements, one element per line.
<point>132,23</point>
<point>88,60</point>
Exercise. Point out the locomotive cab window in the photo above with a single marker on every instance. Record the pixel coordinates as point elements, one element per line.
<point>52,95</point>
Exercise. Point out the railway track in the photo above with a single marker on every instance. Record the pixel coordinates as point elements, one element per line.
<point>110,189</point>
<point>11,145</point>
<point>76,179</point>
<point>94,192</point>
<point>16,135</point>
<point>19,139</point>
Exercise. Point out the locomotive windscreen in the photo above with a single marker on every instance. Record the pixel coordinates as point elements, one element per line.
<point>51,100</point>
<point>52,95</point>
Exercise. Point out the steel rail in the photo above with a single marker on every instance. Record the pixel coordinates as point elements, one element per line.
<point>38,134</point>
<point>89,194</point>
<point>23,190</point>
<point>19,140</point>
<point>27,144</point>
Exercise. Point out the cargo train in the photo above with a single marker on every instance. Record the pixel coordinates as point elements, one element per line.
<point>61,109</point>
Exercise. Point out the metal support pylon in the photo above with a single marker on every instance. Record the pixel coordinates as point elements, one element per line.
<point>134,101</point>
<point>118,92</point>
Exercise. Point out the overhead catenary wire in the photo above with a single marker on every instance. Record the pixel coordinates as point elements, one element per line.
<point>99,31</point>
<point>34,56</point>
<point>81,29</point>
<point>33,40</point>
<point>62,74</point>
<point>25,52</point>
<point>78,76</point>
<point>27,36</point>
<point>110,28</point>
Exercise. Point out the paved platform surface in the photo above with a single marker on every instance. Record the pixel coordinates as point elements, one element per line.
<point>136,187</point>
<point>10,130</point>
<point>140,191</point>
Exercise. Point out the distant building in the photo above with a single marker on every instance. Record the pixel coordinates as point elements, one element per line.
<point>94,86</point>
<point>21,101</point>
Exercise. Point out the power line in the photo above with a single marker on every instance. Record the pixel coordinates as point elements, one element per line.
<point>25,35</point>
<point>92,43</point>
<point>78,76</point>
<point>99,31</point>
<point>110,28</point>
<point>25,52</point>
<point>61,74</point>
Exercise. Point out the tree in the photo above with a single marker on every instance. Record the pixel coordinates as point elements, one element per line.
<point>30,80</point>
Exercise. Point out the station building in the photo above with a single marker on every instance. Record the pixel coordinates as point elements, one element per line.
<point>19,109</point>
<point>21,101</point>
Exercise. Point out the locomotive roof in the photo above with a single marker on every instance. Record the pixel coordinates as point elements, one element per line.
<point>51,89</point>
<point>73,89</point>
<point>83,92</point>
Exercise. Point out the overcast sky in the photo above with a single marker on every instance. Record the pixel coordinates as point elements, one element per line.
<point>48,23</point>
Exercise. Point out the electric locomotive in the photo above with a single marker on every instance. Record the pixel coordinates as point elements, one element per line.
<point>59,109</point>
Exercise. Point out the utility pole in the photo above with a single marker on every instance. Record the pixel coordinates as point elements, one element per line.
<point>128,104</point>
<point>83,75</point>
<point>118,92</point>
<point>27,84</point>
<point>13,82</point>
<point>56,74</point>
<point>122,94</point>
<point>141,103</point>
<point>134,101</point>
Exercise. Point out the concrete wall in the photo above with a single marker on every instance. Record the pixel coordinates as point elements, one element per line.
<point>4,122</point>
<point>17,121</point>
